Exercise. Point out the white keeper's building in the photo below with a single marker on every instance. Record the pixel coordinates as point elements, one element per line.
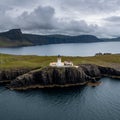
<point>59,63</point>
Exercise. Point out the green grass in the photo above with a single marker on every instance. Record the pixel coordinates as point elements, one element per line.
<point>32,62</point>
<point>9,43</point>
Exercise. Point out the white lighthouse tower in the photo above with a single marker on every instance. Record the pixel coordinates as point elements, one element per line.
<point>59,63</point>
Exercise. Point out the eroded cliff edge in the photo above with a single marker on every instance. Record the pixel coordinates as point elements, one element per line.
<point>7,76</point>
<point>62,76</point>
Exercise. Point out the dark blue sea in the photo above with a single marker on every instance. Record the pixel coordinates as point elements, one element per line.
<point>72,49</point>
<point>74,103</point>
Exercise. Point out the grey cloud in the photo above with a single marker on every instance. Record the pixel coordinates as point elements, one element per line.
<point>83,6</point>
<point>76,27</point>
<point>111,26</point>
<point>113,19</point>
<point>5,19</point>
<point>43,20</point>
<point>59,16</point>
<point>91,6</point>
<point>40,18</point>
<point>18,3</point>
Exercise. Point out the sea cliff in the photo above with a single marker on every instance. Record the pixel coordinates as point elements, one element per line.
<point>23,72</point>
<point>9,75</point>
<point>62,77</point>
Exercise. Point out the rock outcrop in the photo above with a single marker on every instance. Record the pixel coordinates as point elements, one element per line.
<point>109,72</point>
<point>62,76</point>
<point>51,76</point>
<point>9,75</point>
<point>91,70</point>
<point>97,72</point>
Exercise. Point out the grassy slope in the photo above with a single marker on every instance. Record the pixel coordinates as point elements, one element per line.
<point>29,61</point>
<point>8,43</point>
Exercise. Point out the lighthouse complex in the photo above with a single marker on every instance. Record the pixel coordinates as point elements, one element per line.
<point>59,63</point>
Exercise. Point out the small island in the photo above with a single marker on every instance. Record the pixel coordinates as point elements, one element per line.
<point>28,72</point>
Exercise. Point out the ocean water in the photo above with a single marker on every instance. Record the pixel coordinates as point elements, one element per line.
<point>74,103</point>
<point>72,49</point>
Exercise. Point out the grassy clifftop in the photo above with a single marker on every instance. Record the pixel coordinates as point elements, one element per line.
<point>32,62</point>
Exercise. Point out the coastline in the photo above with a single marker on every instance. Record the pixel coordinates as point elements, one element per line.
<point>39,75</point>
<point>48,86</point>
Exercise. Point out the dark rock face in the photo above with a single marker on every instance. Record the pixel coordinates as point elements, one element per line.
<point>52,76</point>
<point>60,76</point>
<point>91,70</point>
<point>95,71</point>
<point>105,71</point>
<point>9,75</point>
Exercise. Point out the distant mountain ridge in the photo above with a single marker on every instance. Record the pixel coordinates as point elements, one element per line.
<point>14,34</point>
<point>15,37</point>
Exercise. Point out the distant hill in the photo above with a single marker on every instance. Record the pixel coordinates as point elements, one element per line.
<point>54,39</point>
<point>15,37</point>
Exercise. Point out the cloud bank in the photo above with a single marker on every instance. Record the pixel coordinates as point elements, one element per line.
<point>96,17</point>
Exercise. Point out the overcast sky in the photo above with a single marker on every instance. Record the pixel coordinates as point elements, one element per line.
<point>73,17</point>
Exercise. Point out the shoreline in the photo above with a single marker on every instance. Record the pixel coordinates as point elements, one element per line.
<point>48,86</point>
<point>56,86</point>
<point>25,72</point>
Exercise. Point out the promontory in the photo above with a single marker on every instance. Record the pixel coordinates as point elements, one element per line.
<point>28,72</point>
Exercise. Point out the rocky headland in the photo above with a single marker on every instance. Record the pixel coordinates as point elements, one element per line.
<point>23,79</point>
<point>15,38</point>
